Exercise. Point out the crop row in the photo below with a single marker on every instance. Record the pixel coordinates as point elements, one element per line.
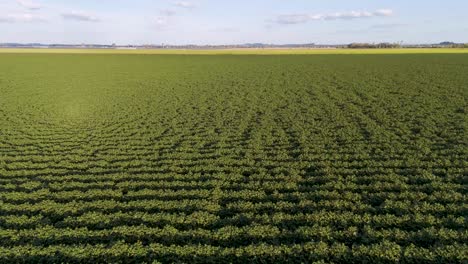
<point>120,252</point>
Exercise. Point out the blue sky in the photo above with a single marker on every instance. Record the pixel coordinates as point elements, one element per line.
<point>229,22</point>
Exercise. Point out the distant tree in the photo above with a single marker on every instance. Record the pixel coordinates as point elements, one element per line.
<point>447,43</point>
<point>387,45</point>
<point>361,46</point>
<point>374,46</point>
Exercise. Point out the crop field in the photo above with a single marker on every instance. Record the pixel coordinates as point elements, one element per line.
<point>233,158</point>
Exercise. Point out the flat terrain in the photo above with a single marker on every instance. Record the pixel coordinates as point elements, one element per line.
<point>244,159</point>
<point>252,51</point>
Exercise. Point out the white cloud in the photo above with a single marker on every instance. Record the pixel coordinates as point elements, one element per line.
<point>383,12</point>
<point>184,4</point>
<point>21,18</point>
<point>80,16</point>
<point>303,18</point>
<point>345,15</point>
<point>29,4</point>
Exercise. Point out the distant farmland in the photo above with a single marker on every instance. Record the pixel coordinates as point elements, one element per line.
<point>240,51</point>
<point>234,159</point>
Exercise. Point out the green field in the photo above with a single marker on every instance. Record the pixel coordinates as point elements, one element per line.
<point>234,159</point>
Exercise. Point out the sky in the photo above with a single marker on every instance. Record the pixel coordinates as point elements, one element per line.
<point>232,22</point>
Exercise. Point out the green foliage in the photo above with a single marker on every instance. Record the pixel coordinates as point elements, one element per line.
<point>235,159</point>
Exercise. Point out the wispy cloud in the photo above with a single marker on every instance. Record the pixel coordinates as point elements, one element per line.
<point>184,4</point>
<point>80,16</point>
<point>388,26</point>
<point>21,18</point>
<point>225,29</point>
<point>289,19</point>
<point>292,19</point>
<point>167,12</point>
<point>161,22</point>
<point>29,4</point>
<point>383,12</point>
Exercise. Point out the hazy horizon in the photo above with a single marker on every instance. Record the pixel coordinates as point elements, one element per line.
<point>206,22</point>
